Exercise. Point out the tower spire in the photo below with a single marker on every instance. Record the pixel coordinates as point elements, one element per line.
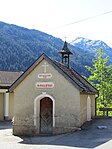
<point>65,53</point>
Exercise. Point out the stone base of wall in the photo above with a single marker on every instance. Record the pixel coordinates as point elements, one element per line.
<point>61,130</point>
<point>6,118</point>
<point>24,130</point>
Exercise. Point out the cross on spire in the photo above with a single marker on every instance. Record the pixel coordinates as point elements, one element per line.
<point>45,67</point>
<point>65,38</point>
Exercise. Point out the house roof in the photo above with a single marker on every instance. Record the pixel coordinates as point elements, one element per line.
<point>77,80</point>
<point>7,78</point>
<point>71,75</point>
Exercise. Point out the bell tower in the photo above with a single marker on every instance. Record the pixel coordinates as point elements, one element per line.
<point>65,53</point>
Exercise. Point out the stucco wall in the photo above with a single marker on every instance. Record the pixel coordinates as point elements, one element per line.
<point>11,105</point>
<point>1,106</point>
<point>83,107</point>
<point>93,105</point>
<point>67,101</point>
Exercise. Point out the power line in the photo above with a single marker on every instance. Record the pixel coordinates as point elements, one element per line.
<point>82,20</point>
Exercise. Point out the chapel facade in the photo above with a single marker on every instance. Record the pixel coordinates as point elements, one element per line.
<point>51,98</point>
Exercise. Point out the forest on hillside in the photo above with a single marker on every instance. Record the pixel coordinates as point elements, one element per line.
<point>19,47</point>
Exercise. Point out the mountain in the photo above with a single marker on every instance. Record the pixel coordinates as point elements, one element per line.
<point>92,46</point>
<point>19,47</point>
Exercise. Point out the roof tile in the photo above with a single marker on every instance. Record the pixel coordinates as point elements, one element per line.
<point>8,77</point>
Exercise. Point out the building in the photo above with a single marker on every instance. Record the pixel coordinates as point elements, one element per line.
<point>51,98</point>
<point>7,99</point>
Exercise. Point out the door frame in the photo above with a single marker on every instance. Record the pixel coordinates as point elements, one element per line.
<point>37,108</point>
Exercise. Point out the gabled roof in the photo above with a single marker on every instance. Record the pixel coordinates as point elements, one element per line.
<point>77,80</point>
<point>8,77</point>
<point>71,75</point>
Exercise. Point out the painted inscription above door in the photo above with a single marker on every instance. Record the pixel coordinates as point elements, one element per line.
<point>44,85</point>
<point>45,76</point>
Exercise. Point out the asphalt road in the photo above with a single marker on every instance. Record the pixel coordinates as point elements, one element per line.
<point>89,137</point>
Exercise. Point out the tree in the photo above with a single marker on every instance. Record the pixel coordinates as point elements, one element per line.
<point>101,78</point>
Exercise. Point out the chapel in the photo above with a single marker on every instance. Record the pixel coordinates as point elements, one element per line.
<point>51,97</point>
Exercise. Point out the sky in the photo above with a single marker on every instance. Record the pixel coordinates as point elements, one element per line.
<point>62,18</point>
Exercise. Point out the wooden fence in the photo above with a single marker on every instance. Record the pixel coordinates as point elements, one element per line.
<point>105,111</point>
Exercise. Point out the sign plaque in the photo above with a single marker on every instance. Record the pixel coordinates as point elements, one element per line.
<point>44,85</point>
<point>44,75</point>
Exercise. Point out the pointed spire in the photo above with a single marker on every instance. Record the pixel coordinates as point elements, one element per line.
<point>65,48</point>
<point>65,52</point>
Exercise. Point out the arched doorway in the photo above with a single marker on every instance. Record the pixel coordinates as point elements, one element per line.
<point>46,115</point>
